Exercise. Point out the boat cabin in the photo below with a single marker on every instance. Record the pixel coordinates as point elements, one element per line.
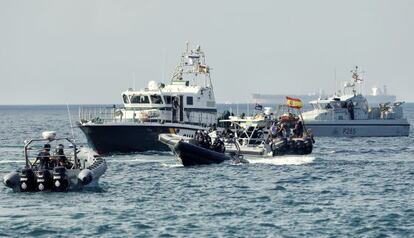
<point>348,107</point>
<point>188,98</point>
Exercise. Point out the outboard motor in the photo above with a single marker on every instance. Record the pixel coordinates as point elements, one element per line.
<point>60,179</point>
<point>43,179</point>
<point>85,176</point>
<point>27,180</point>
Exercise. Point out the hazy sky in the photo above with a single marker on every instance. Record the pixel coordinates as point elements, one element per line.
<point>85,51</point>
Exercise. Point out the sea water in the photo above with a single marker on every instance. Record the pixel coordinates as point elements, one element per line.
<point>349,187</point>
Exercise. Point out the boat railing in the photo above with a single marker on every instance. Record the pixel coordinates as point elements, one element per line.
<point>102,115</point>
<point>108,114</point>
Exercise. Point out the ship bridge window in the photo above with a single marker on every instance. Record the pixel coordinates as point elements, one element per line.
<point>141,99</point>
<point>189,100</point>
<point>125,98</point>
<point>167,99</point>
<point>156,99</point>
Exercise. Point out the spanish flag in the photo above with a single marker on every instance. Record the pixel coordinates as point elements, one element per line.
<point>294,102</point>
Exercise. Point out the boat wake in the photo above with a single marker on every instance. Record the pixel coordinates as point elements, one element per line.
<point>282,160</point>
<point>11,161</point>
<point>172,165</point>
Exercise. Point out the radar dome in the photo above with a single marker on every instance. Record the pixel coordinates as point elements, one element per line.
<point>152,85</point>
<point>49,135</point>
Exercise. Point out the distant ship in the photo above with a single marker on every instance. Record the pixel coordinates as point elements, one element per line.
<point>281,98</point>
<point>376,97</point>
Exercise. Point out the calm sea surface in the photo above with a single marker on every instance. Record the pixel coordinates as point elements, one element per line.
<point>361,187</point>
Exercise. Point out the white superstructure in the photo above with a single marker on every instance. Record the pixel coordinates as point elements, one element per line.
<point>183,106</point>
<point>349,114</point>
<point>188,98</point>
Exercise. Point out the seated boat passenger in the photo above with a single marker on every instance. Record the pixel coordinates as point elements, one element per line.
<point>273,131</point>
<point>309,135</point>
<point>280,130</point>
<point>218,145</point>
<point>207,140</point>
<point>203,139</point>
<point>286,132</point>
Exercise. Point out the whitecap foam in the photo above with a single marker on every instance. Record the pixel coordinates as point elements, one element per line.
<point>171,165</point>
<point>11,161</point>
<point>282,160</point>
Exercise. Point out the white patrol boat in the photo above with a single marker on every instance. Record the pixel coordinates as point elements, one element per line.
<point>183,106</point>
<point>349,115</point>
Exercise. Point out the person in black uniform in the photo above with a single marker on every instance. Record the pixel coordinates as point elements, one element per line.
<point>351,110</point>
<point>61,158</point>
<point>44,157</point>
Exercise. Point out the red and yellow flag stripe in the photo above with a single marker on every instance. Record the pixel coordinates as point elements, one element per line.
<point>294,102</point>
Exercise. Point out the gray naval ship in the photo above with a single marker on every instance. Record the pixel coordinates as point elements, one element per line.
<point>350,115</point>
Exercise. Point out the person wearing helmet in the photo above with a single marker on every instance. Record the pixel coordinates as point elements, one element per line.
<point>61,159</point>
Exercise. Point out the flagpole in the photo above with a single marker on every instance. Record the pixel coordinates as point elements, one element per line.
<point>303,122</point>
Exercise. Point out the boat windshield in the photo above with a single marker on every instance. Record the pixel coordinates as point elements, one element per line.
<point>140,99</point>
<point>167,99</point>
<point>125,98</point>
<point>156,99</point>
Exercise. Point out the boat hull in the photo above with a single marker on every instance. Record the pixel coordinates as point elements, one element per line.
<point>130,138</point>
<point>191,155</point>
<point>359,128</point>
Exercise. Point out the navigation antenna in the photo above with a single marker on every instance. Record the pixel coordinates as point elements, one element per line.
<point>133,80</point>
<point>70,121</point>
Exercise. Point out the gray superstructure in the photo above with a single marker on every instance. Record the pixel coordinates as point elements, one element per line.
<point>350,115</point>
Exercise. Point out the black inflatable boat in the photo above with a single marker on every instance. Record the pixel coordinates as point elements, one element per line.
<point>191,153</point>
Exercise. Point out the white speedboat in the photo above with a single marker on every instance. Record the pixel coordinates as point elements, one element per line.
<point>67,168</point>
<point>349,115</point>
<point>182,106</point>
<point>250,136</point>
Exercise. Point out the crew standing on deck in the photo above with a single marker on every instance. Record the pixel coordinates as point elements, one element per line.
<point>351,110</point>
<point>62,160</point>
<point>298,129</point>
<point>44,157</point>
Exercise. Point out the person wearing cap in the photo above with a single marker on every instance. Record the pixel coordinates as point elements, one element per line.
<point>44,157</point>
